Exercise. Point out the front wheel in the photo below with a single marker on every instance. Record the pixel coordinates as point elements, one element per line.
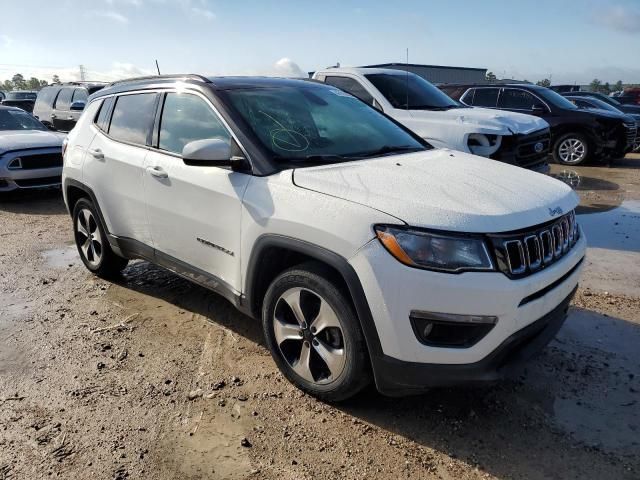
<point>92,242</point>
<point>571,149</point>
<point>314,335</point>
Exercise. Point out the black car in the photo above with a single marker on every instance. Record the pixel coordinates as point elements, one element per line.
<point>595,103</point>
<point>59,106</point>
<point>623,107</point>
<point>21,99</point>
<point>577,135</point>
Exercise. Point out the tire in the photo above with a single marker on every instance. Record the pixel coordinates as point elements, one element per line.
<point>334,335</point>
<point>94,249</point>
<point>571,149</point>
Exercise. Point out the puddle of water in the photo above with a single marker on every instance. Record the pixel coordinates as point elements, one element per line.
<point>617,229</point>
<point>61,257</point>
<point>602,409</point>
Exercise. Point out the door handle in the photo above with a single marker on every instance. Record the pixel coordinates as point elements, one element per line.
<point>97,153</point>
<point>69,117</point>
<point>53,115</point>
<point>157,172</point>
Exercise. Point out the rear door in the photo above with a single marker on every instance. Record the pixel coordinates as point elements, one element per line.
<point>193,210</point>
<point>61,116</point>
<point>114,164</point>
<point>44,105</point>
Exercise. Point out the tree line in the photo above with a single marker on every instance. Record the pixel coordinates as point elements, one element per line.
<point>19,82</point>
<point>595,86</point>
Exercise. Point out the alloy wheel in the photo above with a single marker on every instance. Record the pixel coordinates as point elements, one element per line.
<point>309,336</point>
<point>572,150</point>
<point>88,237</point>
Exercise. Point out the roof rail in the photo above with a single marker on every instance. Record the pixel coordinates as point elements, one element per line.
<point>189,76</point>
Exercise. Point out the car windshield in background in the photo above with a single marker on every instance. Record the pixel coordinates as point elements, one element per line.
<point>19,120</point>
<point>411,91</point>
<point>318,125</point>
<point>556,99</point>
<point>597,103</point>
<point>21,96</point>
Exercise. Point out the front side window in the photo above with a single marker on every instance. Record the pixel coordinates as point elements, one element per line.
<point>517,100</point>
<point>486,97</point>
<point>186,118</point>
<point>351,86</point>
<point>63,102</point>
<point>316,124</point>
<point>19,120</point>
<point>408,90</point>
<point>132,118</point>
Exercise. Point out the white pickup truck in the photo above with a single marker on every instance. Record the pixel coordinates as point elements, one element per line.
<point>510,137</point>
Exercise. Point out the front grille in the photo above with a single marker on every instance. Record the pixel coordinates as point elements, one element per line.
<point>631,132</point>
<point>34,162</point>
<point>38,182</point>
<point>528,151</point>
<point>522,253</point>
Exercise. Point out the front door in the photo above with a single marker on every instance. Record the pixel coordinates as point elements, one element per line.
<point>194,211</point>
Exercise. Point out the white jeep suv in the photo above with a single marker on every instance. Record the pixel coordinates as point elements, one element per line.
<point>366,253</point>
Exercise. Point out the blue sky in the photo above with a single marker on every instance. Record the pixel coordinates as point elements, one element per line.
<point>572,41</point>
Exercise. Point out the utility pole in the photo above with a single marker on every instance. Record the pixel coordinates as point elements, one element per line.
<point>83,73</point>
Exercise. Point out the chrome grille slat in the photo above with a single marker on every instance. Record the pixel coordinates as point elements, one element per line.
<point>524,253</point>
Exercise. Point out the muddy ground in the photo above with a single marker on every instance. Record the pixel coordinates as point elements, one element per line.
<point>155,378</point>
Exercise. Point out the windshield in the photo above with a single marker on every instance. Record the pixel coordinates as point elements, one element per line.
<point>318,124</point>
<point>409,88</point>
<point>21,96</point>
<point>19,120</point>
<point>556,99</point>
<point>597,103</point>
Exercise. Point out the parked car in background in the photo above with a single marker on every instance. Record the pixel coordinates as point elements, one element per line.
<point>21,98</point>
<point>613,101</point>
<point>633,138</point>
<point>2,96</point>
<point>565,88</point>
<point>630,95</point>
<point>59,106</point>
<point>30,155</point>
<point>513,138</point>
<point>577,135</point>
<point>367,254</point>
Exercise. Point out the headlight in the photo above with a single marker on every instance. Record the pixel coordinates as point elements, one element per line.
<point>435,251</point>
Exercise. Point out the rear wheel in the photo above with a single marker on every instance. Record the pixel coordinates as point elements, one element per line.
<point>314,335</point>
<point>92,242</point>
<point>571,149</point>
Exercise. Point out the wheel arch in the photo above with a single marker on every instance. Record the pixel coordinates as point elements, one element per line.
<point>272,254</point>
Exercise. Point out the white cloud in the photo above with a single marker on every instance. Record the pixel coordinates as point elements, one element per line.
<point>285,67</point>
<point>109,15</point>
<point>117,71</point>
<point>203,13</point>
<point>619,19</point>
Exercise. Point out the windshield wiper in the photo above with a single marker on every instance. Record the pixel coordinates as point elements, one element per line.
<point>432,107</point>
<point>314,159</point>
<point>389,149</point>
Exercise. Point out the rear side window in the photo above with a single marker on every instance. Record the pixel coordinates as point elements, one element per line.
<point>186,118</point>
<point>64,99</point>
<point>132,118</point>
<point>517,99</point>
<point>80,95</point>
<point>485,97</point>
<point>351,86</point>
<point>47,96</point>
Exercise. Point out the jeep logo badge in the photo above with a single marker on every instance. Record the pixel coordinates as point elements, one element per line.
<point>555,211</point>
<point>538,147</point>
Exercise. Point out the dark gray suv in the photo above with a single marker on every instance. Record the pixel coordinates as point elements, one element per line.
<point>59,106</point>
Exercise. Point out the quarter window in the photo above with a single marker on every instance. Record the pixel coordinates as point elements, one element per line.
<point>80,95</point>
<point>351,86</point>
<point>64,99</point>
<point>132,118</point>
<point>485,97</point>
<point>186,118</point>
<point>517,99</point>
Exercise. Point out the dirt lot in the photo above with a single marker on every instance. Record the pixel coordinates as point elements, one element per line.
<point>156,378</point>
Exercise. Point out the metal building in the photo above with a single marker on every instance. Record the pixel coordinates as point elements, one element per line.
<point>438,73</point>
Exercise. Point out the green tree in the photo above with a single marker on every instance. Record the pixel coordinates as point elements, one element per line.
<point>18,82</point>
<point>595,85</point>
<point>7,86</point>
<point>491,77</point>
<point>544,83</point>
<point>43,83</point>
<point>606,88</point>
<point>33,84</point>
<point>55,79</point>
<point>619,86</point>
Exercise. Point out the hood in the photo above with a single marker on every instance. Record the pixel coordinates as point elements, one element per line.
<point>445,190</point>
<point>25,139</point>
<point>608,114</point>
<point>488,121</point>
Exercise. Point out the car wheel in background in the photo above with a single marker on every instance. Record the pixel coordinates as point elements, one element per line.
<point>571,149</point>
<point>314,335</point>
<point>92,242</point>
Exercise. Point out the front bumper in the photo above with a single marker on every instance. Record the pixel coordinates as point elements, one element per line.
<point>23,179</point>
<point>525,308</point>
<point>529,151</point>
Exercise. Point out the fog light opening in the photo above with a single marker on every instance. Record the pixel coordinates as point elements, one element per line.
<point>449,330</point>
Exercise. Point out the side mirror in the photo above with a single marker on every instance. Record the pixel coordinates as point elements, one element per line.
<point>214,152</point>
<point>78,106</point>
